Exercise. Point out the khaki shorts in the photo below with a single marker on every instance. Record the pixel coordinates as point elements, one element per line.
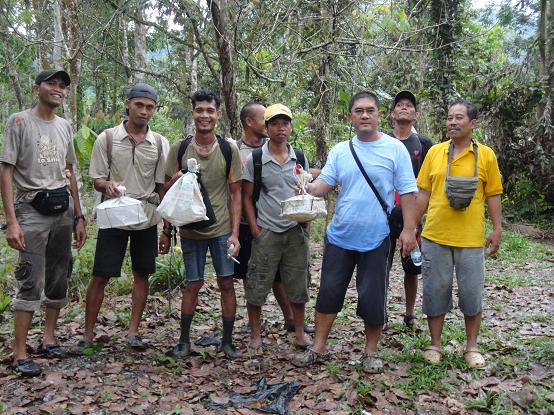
<point>438,265</point>
<point>44,266</point>
<point>286,251</point>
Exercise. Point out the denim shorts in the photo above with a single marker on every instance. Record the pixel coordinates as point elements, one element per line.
<point>438,265</point>
<point>194,257</point>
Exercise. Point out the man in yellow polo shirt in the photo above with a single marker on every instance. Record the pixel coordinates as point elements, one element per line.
<point>454,234</point>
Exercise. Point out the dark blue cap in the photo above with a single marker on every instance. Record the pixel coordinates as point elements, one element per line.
<point>143,91</point>
<point>52,73</point>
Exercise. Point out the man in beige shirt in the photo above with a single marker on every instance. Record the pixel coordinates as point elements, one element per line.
<point>131,155</point>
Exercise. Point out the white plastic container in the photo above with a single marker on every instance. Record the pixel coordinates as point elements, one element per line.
<point>303,208</point>
<point>120,211</point>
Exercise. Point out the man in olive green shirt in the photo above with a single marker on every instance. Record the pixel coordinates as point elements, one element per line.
<point>221,172</point>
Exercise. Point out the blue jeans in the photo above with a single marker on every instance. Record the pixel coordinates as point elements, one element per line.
<point>194,257</point>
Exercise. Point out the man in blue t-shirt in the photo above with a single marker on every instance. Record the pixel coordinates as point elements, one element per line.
<point>358,235</point>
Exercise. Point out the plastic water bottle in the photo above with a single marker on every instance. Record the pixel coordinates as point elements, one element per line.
<point>416,256</point>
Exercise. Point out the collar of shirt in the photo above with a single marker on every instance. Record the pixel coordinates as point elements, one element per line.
<point>121,134</point>
<point>266,155</point>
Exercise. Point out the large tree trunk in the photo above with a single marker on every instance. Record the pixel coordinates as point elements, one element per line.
<point>74,58</point>
<point>140,43</point>
<point>223,42</point>
<point>58,49</point>
<point>444,14</point>
<point>12,71</point>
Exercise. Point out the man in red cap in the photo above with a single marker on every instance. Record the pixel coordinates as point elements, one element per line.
<point>38,162</point>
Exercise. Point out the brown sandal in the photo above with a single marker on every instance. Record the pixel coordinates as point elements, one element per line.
<point>432,354</point>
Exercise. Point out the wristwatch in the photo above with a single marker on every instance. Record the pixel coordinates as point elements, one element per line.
<point>76,218</point>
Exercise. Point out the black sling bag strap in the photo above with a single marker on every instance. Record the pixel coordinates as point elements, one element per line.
<point>395,221</point>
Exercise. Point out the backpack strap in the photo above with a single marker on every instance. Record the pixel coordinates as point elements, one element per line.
<point>257,159</point>
<point>109,148</point>
<point>182,148</point>
<point>224,146</point>
<point>158,139</point>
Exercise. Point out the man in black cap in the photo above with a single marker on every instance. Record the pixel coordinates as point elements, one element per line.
<point>404,115</point>
<point>133,156</point>
<point>38,162</point>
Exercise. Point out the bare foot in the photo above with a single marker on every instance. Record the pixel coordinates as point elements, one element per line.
<point>303,342</point>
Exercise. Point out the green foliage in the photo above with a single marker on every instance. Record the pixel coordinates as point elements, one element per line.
<point>5,301</point>
<point>524,201</point>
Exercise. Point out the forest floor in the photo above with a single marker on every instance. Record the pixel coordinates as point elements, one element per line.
<point>517,340</point>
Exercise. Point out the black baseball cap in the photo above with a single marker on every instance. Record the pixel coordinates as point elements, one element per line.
<point>52,73</point>
<point>143,91</point>
<point>405,95</point>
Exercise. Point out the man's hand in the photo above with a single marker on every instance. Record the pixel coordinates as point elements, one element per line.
<point>110,189</point>
<point>15,237</point>
<point>256,232</point>
<point>80,235</point>
<point>233,239</point>
<point>164,244</point>
<point>493,241</point>
<point>407,241</point>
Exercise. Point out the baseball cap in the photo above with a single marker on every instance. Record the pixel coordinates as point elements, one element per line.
<point>51,73</point>
<point>143,91</point>
<point>277,109</point>
<point>404,95</point>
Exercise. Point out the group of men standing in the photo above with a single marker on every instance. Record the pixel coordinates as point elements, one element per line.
<point>245,182</point>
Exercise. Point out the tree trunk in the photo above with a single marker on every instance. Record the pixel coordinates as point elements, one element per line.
<point>58,48</point>
<point>74,58</point>
<point>39,6</point>
<point>12,71</point>
<point>140,44</point>
<point>125,49</point>
<point>324,87</point>
<point>223,42</point>
<point>446,15</point>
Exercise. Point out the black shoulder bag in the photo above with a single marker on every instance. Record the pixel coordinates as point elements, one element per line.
<point>395,219</point>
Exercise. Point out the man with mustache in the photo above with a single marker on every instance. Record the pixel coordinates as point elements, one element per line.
<point>455,181</point>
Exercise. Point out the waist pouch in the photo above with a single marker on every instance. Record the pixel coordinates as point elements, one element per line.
<point>396,222</point>
<point>51,202</point>
<point>209,208</point>
<point>460,189</point>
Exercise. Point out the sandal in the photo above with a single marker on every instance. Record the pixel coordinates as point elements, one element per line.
<point>83,347</point>
<point>410,322</point>
<point>432,354</point>
<point>26,367</point>
<point>372,363</point>
<point>135,342</point>
<point>474,358</point>
<point>52,350</point>
<point>308,358</point>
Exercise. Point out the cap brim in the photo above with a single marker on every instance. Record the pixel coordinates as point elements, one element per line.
<point>404,95</point>
<point>61,74</point>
